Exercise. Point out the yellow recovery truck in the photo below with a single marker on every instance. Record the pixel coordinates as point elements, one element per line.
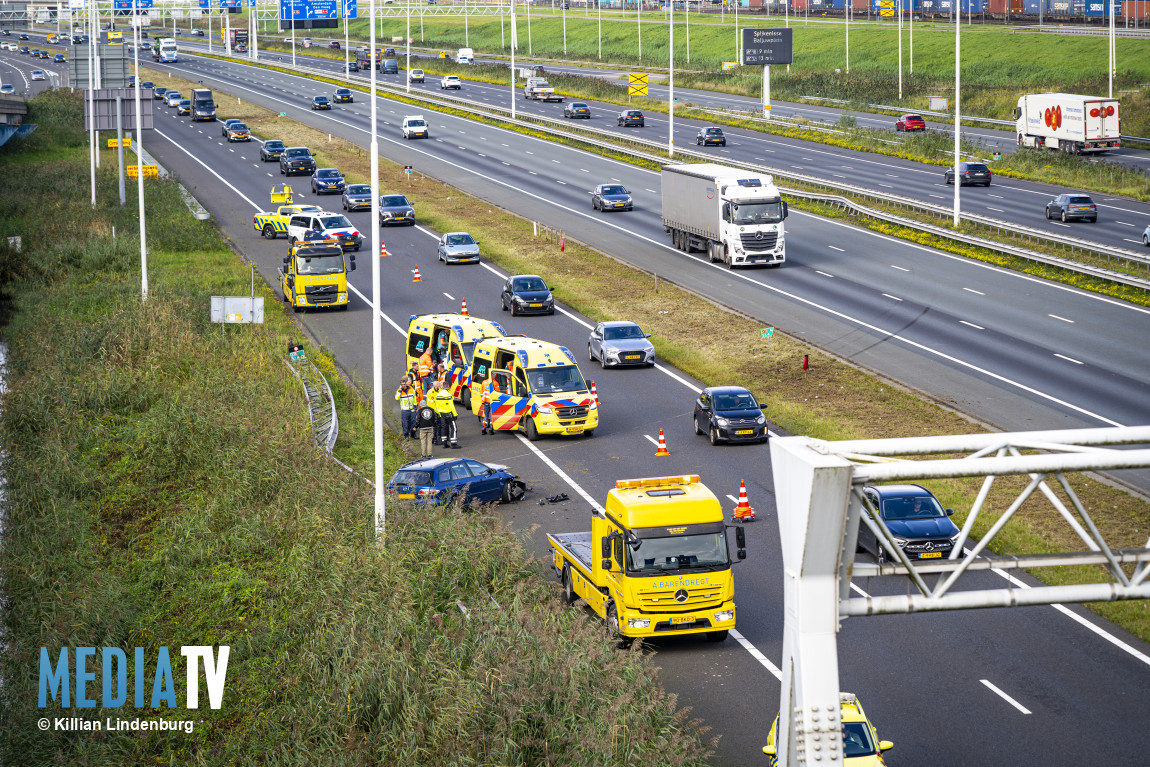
<point>272,225</point>
<point>314,275</point>
<point>656,562</point>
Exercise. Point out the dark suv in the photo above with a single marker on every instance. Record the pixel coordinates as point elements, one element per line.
<point>630,117</point>
<point>969,173</point>
<point>297,159</point>
<point>915,518</point>
<point>708,136</point>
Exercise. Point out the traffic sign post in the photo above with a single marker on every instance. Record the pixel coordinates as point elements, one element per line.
<point>766,47</point>
<point>637,85</point>
<point>407,171</point>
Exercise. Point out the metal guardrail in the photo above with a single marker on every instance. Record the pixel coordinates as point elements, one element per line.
<point>320,403</point>
<point>617,143</point>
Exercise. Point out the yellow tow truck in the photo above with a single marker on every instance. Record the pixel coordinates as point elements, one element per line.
<point>656,561</point>
<point>314,275</point>
<point>272,225</point>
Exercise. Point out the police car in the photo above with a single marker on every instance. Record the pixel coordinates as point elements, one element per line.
<point>326,226</point>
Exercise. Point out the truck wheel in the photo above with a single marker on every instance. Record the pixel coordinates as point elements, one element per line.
<point>532,432</point>
<point>269,232</point>
<point>294,305</point>
<point>613,627</point>
<point>716,636</point>
<point>568,595</point>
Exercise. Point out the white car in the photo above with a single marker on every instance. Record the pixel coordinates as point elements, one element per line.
<point>416,75</point>
<point>7,88</point>
<point>451,81</point>
<point>414,126</point>
<point>38,74</point>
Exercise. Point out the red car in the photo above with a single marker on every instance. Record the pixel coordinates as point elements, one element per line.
<point>910,122</point>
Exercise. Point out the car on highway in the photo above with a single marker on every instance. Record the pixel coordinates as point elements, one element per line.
<point>184,107</point>
<point>147,84</point>
<point>414,126</point>
<point>320,102</point>
<point>458,248</point>
<point>709,136</point>
<point>729,414</point>
<point>227,124</point>
<point>910,123</point>
<point>451,81</point>
<point>577,109</point>
<point>1072,206</point>
<point>969,173</point>
<point>1146,236</point>
<point>334,44</point>
<point>343,96</point>
<point>237,132</point>
<point>35,52</point>
<point>356,197</point>
<point>620,342</point>
<point>23,37</point>
<point>389,67</point>
<point>328,181</point>
<point>442,481</point>
<point>352,65</point>
<point>526,294</point>
<point>38,74</point>
<point>24,49</point>
<point>416,76</point>
<point>919,524</point>
<point>396,209</point>
<point>131,81</point>
<point>861,745</point>
<point>389,53</point>
<point>629,117</point>
<point>5,32</point>
<point>44,54</point>
<point>172,98</point>
<point>7,88</point>
<point>297,159</point>
<point>611,197</point>
<point>271,150</point>
<point>159,91</point>
<point>59,58</point>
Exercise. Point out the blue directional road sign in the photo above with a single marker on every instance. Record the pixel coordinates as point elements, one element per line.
<point>323,9</point>
<point>349,10</point>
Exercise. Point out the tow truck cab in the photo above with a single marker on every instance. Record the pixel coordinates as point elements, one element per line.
<point>314,275</point>
<point>656,561</point>
<point>540,387</point>
<point>452,339</point>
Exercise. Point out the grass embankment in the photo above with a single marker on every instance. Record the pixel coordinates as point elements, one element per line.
<point>164,490</point>
<point>832,400</point>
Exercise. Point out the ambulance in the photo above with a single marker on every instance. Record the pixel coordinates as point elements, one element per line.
<point>452,339</point>
<point>539,388</point>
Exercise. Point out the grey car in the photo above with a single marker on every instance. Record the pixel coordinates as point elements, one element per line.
<point>395,209</point>
<point>611,197</point>
<point>172,98</point>
<point>356,197</point>
<point>620,343</point>
<point>458,248</point>
<point>1072,206</point>
<point>1146,236</point>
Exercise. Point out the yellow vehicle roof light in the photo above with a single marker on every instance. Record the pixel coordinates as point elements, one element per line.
<point>681,479</point>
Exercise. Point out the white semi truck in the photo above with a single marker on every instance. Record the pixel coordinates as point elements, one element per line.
<point>735,216</point>
<point>1068,123</point>
<point>165,51</point>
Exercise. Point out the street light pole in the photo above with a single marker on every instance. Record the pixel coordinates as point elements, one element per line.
<point>514,43</point>
<point>376,296</point>
<point>900,50</point>
<point>671,92</point>
<point>140,163</point>
<point>957,120</point>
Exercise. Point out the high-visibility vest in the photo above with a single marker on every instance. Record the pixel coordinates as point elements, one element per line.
<point>443,402</point>
<point>406,399</point>
<point>426,366</point>
<point>485,396</point>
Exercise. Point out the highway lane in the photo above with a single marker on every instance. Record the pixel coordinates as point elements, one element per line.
<point>828,294</point>
<point>1012,200</point>
<point>1082,690</point>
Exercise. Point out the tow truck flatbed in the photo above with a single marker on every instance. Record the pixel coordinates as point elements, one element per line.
<point>575,545</point>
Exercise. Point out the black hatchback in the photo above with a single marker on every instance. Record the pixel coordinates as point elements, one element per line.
<point>729,414</point>
<point>630,117</point>
<point>969,173</point>
<point>527,294</point>
<point>709,136</point>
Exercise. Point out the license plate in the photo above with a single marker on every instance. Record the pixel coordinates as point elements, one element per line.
<point>632,356</point>
<point>399,218</point>
<point>931,555</point>
<point>465,260</point>
<point>688,619</point>
<point>619,205</point>
<point>573,430</point>
<point>536,306</point>
<point>741,432</point>
<point>405,495</point>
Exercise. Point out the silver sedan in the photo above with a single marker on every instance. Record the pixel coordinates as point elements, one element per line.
<point>458,248</point>
<point>620,343</point>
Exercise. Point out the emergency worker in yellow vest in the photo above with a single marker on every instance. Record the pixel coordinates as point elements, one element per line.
<point>444,405</point>
<point>407,398</point>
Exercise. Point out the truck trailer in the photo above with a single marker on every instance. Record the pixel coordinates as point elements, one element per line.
<point>656,561</point>
<point>1067,122</point>
<point>735,216</point>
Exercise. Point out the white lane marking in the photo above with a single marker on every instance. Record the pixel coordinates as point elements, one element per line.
<point>860,591</point>
<point>1123,223</point>
<point>939,196</point>
<point>1059,223</point>
<point>888,295</point>
<point>971,324</point>
<point>832,247</point>
<point>1055,316</point>
<point>1068,359</point>
<point>825,274</point>
<point>996,210</point>
<point>1006,697</point>
<point>754,651</point>
<point>652,191</point>
<point>900,268</point>
<point>976,292</point>
<point>533,173</point>
<point>996,196</point>
<point>733,498</point>
<point>652,440</point>
<point>564,183</point>
<point>556,162</point>
<point>1136,242</point>
<point>888,186</point>
<point>449,296</point>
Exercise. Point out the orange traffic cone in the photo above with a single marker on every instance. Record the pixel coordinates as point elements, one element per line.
<point>383,249</point>
<point>594,394</point>
<point>416,278</point>
<point>743,511</point>
<point>662,446</point>
<point>463,310</point>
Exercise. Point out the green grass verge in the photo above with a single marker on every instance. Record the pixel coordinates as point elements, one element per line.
<point>163,490</point>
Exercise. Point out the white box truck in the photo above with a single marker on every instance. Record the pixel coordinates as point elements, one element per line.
<point>465,56</point>
<point>538,89</point>
<point>1067,122</point>
<point>735,216</point>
